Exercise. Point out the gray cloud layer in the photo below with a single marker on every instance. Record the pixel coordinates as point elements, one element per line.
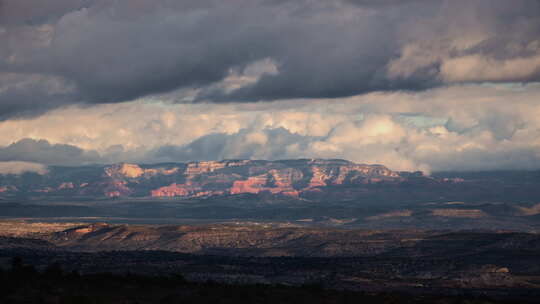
<point>41,151</point>
<point>55,53</point>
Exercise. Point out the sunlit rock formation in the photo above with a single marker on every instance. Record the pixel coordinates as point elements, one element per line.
<point>289,178</point>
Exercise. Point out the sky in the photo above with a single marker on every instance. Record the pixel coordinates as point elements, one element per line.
<point>413,84</point>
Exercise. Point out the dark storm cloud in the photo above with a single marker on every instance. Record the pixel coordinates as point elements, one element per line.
<point>41,151</point>
<point>265,144</point>
<point>17,12</point>
<point>60,52</point>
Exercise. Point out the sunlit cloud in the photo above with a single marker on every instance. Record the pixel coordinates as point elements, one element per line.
<point>472,127</point>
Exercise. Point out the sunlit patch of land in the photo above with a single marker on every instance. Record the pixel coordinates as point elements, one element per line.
<point>22,228</point>
<point>398,213</point>
<point>534,210</point>
<point>463,213</point>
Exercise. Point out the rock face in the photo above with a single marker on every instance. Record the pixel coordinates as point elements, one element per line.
<point>124,170</point>
<point>292,178</point>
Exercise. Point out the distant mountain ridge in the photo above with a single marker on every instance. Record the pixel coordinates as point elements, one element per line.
<point>294,178</point>
<point>307,191</point>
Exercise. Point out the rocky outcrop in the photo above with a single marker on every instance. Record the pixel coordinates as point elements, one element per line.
<point>116,189</point>
<point>124,170</point>
<point>171,190</point>
<point>186,190</point>
<point>319,177</point>
<point>197,168</point>
<point>132,171</point>
<point>324,174</point>
<point>66,185</point>
<point>8,189</point>
<point>271,182</point>
<point>253,184</point>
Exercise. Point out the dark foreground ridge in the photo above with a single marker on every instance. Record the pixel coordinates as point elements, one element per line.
<point>24,284</point>
<point>496,265</point>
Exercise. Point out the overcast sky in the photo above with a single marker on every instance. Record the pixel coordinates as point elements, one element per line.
<point>412,84</point>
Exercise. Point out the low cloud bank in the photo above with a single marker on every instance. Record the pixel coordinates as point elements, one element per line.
<point>464,128</point>
<point>18,167</point>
